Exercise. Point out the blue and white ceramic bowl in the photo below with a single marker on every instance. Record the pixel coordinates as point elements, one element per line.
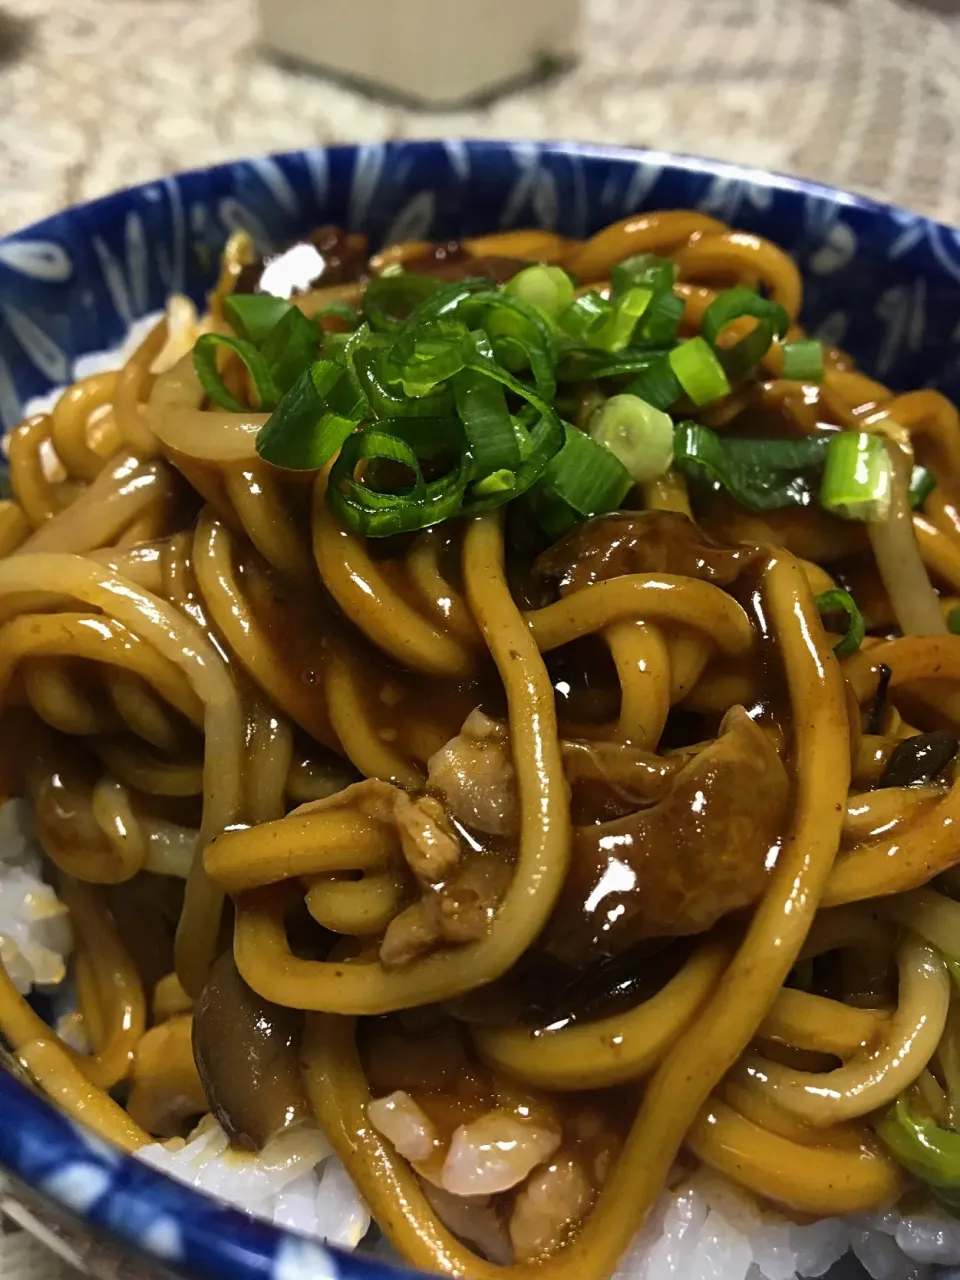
<point>882,282</point>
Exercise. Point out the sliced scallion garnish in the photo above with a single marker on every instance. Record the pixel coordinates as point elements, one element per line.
<point>857,476</point>
<point>699,371</point>
<point>735,304</point>
<point>645,270</point>
<point>388,401</point>
<point>803,361</point>
<point>265,390</point>
<point>407,442</point>
<point>549,289</point>
<point>661,319</point>
<point>922,484</point>
<point>582,480</point>
<point>497,482</point>
<point>423,357</point>
<point>518,334</point>
<point>313,419</point>
<point>763,475</point>
<point>581,363</point>
<point>585,315</point>
<point>443,401</point>
<point>491,436</point>
<point>837,601</point>
<point>289,347</point>
<point>606,326</point>
<point>388,300</point>
<point>254,315</point>
<point>657,384</point>
<point>636,433</point>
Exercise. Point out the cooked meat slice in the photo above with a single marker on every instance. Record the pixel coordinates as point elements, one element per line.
<point>474,775</point>
<point>677,867</point>
<point>641,542</point>
<point>413,933</point>
<point>429,842</point>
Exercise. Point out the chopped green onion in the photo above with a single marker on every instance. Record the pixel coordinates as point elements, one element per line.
<point>448,300</point>
<point>922,484</point>
<point>583,479</point>
<point>548,289</point>
<point>334,346</point>
<point>762,475</point>
<point>427,355</point>
<point>645,270</point>
<point>661,320</point>
<point>578,364</point>
<point>342,311</point>
<point>630,308</point>
<point>833,602</point>
<point>636,433</point>
<point>953,620</point>
<point>502,481</point>
<point>313,419</point>
<point>290,347</point>
<point>537,447</point>
<point>699,371</point>
<point>388,300</point>
<point>732,305</point>
<point>491,437</point>
<point>657,384</point>
<point>387,401</point>
<point>254,315</point>
<point>585,315</point>
<point>379,514</point>
<point>926,1150</point>
<point>205,362</point>
<point>608,326</point>
<point>857,477</point>
<point>519,335</point>
<point>803,361</point>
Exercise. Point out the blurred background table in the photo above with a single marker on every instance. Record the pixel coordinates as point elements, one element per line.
<point>97,94</point>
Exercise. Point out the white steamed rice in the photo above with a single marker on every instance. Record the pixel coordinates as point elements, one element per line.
<point>705,1229</point>
<point>35,937</point>
<point>709,1229</point>
<point>295,1182</point>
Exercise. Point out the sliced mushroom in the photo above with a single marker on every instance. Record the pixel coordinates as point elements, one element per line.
<point>248,1055</point>
<point>920,759</point>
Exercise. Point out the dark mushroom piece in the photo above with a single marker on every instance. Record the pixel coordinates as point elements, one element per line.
<point>248,1055</point>
<point>920,759</point>
<point>610,985</point>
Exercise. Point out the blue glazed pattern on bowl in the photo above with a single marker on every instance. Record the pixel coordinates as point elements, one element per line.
<point>881,282</point>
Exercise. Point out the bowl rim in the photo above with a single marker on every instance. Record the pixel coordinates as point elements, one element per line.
<point>219,1240</point>
<point>686,161</point>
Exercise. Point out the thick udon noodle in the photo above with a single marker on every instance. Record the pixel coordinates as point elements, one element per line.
<point>210,660</point>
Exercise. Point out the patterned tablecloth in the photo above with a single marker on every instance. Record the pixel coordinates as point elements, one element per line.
<point>97,94</point>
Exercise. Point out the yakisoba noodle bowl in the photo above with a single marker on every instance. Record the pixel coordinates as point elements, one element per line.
<point>489,713</point>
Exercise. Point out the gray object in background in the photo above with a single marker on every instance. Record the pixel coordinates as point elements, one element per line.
<point>436,52</point>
